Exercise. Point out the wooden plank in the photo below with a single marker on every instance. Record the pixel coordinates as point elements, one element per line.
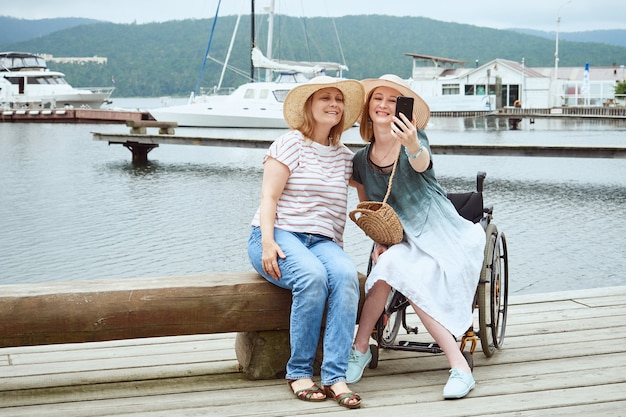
<point>572,314</point>
<point>547,297</point>
<point>606,409</point>
<point>150,123</point>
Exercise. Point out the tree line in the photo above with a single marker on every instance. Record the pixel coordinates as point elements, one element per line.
<point>164,59</point>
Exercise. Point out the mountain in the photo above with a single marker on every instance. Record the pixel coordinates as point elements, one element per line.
<point>14,30</point>
<point>157,59</point>
<point>615,37</point>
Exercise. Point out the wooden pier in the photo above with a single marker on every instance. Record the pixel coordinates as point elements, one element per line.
<point>141,144</point>
<point>593,113</point>
<point>72,115</point>
<point>564,355</point>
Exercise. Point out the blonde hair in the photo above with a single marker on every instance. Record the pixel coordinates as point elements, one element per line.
<point>307,127</point>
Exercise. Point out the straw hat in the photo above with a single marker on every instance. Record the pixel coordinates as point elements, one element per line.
<point>420,108</point>
<point>352,90</point>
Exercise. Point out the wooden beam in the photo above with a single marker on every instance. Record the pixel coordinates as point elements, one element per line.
<point>90,311</point>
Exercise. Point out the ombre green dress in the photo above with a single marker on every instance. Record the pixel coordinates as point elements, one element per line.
<point>438,264</point>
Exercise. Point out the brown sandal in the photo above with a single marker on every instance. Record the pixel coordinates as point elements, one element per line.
<point>343,398</point>
<point>306,394</point>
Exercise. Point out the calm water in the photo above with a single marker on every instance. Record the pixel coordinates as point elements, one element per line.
<point>75,209</point>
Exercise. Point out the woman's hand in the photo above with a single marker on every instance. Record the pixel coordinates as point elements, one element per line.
<point>377,251</point>
<point>419,157</point>
<point>406,133</point>
<point>269,259</point>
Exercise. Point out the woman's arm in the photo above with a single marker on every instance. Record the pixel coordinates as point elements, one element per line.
<point>418,155</point>
<point>360,189</point>
<point>275,176</point>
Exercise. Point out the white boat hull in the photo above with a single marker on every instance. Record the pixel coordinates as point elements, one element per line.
<point>254,105</point>
<point>77,99</point>
<point>201,117</point>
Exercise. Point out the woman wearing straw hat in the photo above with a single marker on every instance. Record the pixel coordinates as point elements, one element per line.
<point>297,233</point>
<point>438,263</point>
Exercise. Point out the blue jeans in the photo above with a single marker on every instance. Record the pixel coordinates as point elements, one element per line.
<point>320,275</point>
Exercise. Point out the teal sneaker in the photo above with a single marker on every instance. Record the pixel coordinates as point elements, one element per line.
<point>357,362</point>
<point>459,384</point>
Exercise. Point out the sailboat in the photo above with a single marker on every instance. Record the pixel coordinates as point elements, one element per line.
<point>251,105</point>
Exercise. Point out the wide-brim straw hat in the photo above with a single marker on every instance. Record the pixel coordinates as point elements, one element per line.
<point>352,90</point>
<point>420,108</point>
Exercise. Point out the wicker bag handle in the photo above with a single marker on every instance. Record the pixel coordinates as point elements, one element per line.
<point>393,172</point>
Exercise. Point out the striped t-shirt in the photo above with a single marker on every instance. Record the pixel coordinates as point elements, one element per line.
<point>315,198</point>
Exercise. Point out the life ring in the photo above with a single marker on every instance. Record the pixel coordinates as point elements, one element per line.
<point>517,103</point>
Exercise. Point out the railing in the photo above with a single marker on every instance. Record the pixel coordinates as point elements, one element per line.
<point>569,111</point>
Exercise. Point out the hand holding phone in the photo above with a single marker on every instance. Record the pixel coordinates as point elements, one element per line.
<point>404,105</point>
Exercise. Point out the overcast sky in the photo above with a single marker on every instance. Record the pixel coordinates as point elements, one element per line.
<point>576,15</point>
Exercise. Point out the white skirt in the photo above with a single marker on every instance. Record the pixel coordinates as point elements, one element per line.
<point>438,271</point>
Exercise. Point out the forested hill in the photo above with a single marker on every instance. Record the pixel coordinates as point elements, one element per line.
<point>17,30</point>
<point>158,59</point>
<point>609,36</point>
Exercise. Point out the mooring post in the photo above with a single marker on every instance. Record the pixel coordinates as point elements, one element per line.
<point>140,151</point>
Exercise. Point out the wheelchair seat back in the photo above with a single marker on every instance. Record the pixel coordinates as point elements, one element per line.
<point>469,205</point>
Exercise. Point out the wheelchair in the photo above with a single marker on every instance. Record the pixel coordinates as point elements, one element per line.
<point>491,297</point>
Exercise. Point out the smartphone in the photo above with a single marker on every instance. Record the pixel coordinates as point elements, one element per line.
<point>404,105</point>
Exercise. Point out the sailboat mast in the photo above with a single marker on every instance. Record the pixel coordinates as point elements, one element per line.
<point>270,33</point>
<point>251,40</point>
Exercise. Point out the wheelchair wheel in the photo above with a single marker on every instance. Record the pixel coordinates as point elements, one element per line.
<point>389,322</point>
<point>493,292</point>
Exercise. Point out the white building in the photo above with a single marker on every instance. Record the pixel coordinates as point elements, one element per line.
<point>447,85</point>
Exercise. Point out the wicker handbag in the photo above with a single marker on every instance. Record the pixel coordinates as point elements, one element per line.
<point>378,219</point>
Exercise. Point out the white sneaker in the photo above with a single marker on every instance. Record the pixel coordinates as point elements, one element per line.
<point>459,384</point>
<point>356,365</point>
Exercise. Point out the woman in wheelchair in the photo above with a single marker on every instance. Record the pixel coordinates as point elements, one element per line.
<point>438,263</point>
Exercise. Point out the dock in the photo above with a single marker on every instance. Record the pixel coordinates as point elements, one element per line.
<point>564,355</point>
<point>589,113</point>
<point>141,144</point>
<point>71,115</point>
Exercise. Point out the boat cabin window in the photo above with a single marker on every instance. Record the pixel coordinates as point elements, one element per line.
<point>263,94</point>
<point>32,62</point>
<point>450,90</point>
<point>249,94</point>
<point>280,95</point>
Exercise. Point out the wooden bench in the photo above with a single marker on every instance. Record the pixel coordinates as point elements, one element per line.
<point>138,127</point>
<point>115,309</point>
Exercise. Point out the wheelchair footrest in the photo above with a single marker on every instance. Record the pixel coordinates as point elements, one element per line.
<point>416,347</point>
